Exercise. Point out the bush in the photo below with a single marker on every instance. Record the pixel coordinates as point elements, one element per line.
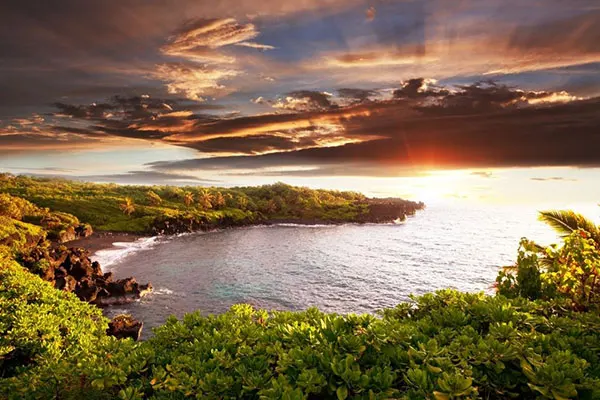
<point>571,270</point>
<point>52,344</point>
<point>447,345</point>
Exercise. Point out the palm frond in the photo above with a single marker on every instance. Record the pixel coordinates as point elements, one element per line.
<point>565,222</point>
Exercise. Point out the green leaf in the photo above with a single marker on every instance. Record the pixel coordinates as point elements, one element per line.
<point>342,392</point>
<point>441,396</point>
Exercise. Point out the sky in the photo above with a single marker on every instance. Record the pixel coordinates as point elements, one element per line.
<point>470,100</point>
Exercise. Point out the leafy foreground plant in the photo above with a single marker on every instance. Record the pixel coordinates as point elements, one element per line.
<point>571,270</point>
<point>447,345</point>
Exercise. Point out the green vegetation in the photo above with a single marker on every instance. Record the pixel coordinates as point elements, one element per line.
<point>571,270</point>
<point>110,207</point>
<point>447,345</point>
<point>538,338</point>
<point>24,225</point>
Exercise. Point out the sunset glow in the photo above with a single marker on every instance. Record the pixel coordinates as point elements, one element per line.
<point>449,102</point>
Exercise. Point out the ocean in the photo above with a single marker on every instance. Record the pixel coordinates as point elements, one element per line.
<point>338,268</point>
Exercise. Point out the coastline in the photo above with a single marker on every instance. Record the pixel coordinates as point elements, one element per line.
<point>104,240</point>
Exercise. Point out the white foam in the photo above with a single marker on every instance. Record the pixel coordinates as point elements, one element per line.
<point>161,291</point>
<point>293,225</point>
<point>120,250</point>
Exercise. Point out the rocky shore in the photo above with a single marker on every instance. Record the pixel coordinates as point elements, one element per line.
<point>71,270</point>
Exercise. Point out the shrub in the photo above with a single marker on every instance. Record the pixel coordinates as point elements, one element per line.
<point>571,270</point>
<point>54,346</point>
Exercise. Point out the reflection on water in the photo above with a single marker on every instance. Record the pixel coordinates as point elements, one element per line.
<point>348,268</point>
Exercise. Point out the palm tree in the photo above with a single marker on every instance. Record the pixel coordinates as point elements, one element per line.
<point>565,222</point>
<point>206,199</point>
<point>127,206</point>
<point>188,198</point>
<point>219,201</point>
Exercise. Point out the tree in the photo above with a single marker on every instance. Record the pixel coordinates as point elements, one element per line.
<point>188,198</point>
<point>566,222</point>
<point>205,199</point>
<point>218,201</point>
<point>127,206</point>
<point>242,202</point>
<point>154,199</point>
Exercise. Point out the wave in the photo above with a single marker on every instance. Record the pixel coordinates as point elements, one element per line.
<point>120,250</point>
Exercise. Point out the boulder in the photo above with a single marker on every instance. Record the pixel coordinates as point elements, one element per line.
<point>87,290</point>
<point>66,283</point>
<point>125,326</point>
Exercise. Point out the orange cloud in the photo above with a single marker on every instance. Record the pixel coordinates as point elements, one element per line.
<point>204,64</point>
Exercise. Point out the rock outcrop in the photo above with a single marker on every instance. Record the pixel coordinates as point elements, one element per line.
<point>125,326</point>
<point>176,225</point>
<point>389,210</point>
<point>71,270</point>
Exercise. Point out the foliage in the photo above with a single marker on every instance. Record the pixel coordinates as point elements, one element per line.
<point>105,206</point>
<point>15,207</point>
<point>524,278</point>
<point>17,236</point>
<point>127,206</point>
<point>60,226</point>
<point>576,269</point>
<point>153,198</point>
<point>188,198</point>
<point>567,221</point>
<point>447,345</point>
<point>571,270</point>
<point>52,345</point>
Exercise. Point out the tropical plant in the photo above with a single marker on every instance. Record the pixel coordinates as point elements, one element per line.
<point>567,221</point>
<point>576,269</point>
<point>218,201</point>
<point>205,199</point>
<point>242,202</point>
<point>188,198</point>
<point>128,207</point>
<point>153,198</point>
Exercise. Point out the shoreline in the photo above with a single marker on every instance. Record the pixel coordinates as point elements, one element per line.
<point>104,240</point>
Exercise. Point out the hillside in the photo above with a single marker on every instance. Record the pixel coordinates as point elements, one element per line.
<point>170,209</point>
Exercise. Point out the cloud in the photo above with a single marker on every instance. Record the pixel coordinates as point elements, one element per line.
<point>356,95</point>
<point>305,100</point>
<point>195,81</point>
<point>204,65</point>
<point>254,45</point>
<point>554,178</point>
<point>370,13</point>
<point>552,135</point>
<point>472,39</point>
<point>419,88</point>
<point>149,177</point>
<point>128,178</point>
<point>483,174</point>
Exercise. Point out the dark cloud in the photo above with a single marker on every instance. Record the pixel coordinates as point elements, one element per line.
<point>253,144</point>
<point>356,95</point>
<point>484,124</point>
<point>557,134</point>
<point>419,88</point>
